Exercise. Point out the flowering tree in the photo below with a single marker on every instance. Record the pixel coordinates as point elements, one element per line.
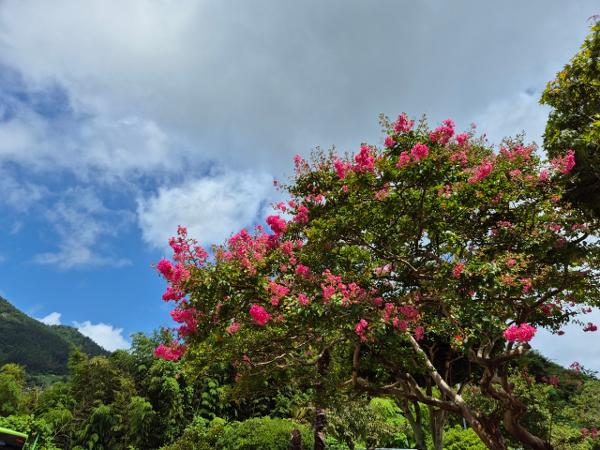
<point>435,259</point>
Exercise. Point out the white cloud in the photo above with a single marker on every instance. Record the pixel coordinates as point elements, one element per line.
<point>513,115</point>
<point>81,222</point>
<point>103,334</point>
<point>51,319</point>
<point>574,345</point>
<point>211,208</point>
<point>251,83</point>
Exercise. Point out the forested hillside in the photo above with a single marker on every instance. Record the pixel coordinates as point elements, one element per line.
<point>40,348</point>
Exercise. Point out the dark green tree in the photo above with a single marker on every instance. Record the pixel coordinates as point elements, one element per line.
<point>574,121</point>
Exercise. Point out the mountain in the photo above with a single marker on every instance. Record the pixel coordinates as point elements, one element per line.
<point>41,348</point>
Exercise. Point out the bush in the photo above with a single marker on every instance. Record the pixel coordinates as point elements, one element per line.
<point>458,439</point>
<point>30,426</point>
<point>261,433</point>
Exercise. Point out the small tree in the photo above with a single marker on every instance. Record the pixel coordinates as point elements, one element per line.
<point>432,250</point>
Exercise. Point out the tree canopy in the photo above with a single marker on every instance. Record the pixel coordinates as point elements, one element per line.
<point>434,249</point>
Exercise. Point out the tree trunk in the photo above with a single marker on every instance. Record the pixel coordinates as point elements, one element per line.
<point>492,440</point>
<point>320,401</point>
<point>522,435</point>
<point>295,440</point>
<point>415,422</point>
<point>437,420</point>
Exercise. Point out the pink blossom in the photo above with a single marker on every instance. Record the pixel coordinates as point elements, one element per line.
<point>462,138</point>
<point>303,299</point>
<point>277,291</point>
<point>341,168</point>
<point>303,270</point>
<point>403,124</point>
<point>328,292</point>
<point>511,263</point>
<point>403,159</point>
<point>527,284</point>
<point>389,142</point>
<point>172,293</point>
<point>361,326</point>
<point>345,188</point>
<point>277,224</point>
<point>378,301</point>
<point>461,157</point>
<point>515,173</point>
<point>301,214</point>
<point>564,164</point>
<point>419,151</point>
<point>457,270</point>
<point>481,171</point>
<point>522,333</point>
<point>165,267</point>
<point>233,328</point>
<point>365,162</point>
<point>172,352</point>
<point>259,315</point>
<point>419,333</point>
<point>179,274</point>
<point>442,134</point>
<point>544,175</point>
<point>382,193</point>
<point>590,327</point>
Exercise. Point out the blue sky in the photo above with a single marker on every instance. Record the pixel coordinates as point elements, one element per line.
<point>121,120</point>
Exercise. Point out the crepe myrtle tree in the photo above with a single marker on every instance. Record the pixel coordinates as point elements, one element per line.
<point>436,240</point>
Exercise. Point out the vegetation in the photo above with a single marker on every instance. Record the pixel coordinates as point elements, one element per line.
<point>40,348</point>
<point>574,121</point>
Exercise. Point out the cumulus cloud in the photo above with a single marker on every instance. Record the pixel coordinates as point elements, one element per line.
<point>103,334</point>
<point>51,319</point>
<point>253,83</point>
<point>211,207</point>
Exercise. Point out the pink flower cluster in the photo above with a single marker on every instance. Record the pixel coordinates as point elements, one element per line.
<point>187,317</point>
<point>233,327</point>
<point>361,326</point>
<point>564,164</point>
<point>260,315</point>
<point>389,142</point>
<point>248,249</point>
<point>277,224</point>
<point>403,124</point>
<point>480,172</point>
<point>333,284</point>
<point>171,352</point>
<point>365,161</point>
<point>519,151</point>
<point>417,152</point>
<point>442,134</point>
<point>590,327</point>
<point>277,291</point>
<point>593,433</point>
<point>520,333</point>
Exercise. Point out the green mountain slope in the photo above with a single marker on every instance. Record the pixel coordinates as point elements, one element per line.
<point>40,348</point>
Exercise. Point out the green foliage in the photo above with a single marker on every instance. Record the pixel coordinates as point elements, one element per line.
<point>458,439</point>
<point>378,422</point>
<point>38,347</point>
<point>11,394</point>
<point>574,120</point>
<point>33,427</point>
<point>262,433</point>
